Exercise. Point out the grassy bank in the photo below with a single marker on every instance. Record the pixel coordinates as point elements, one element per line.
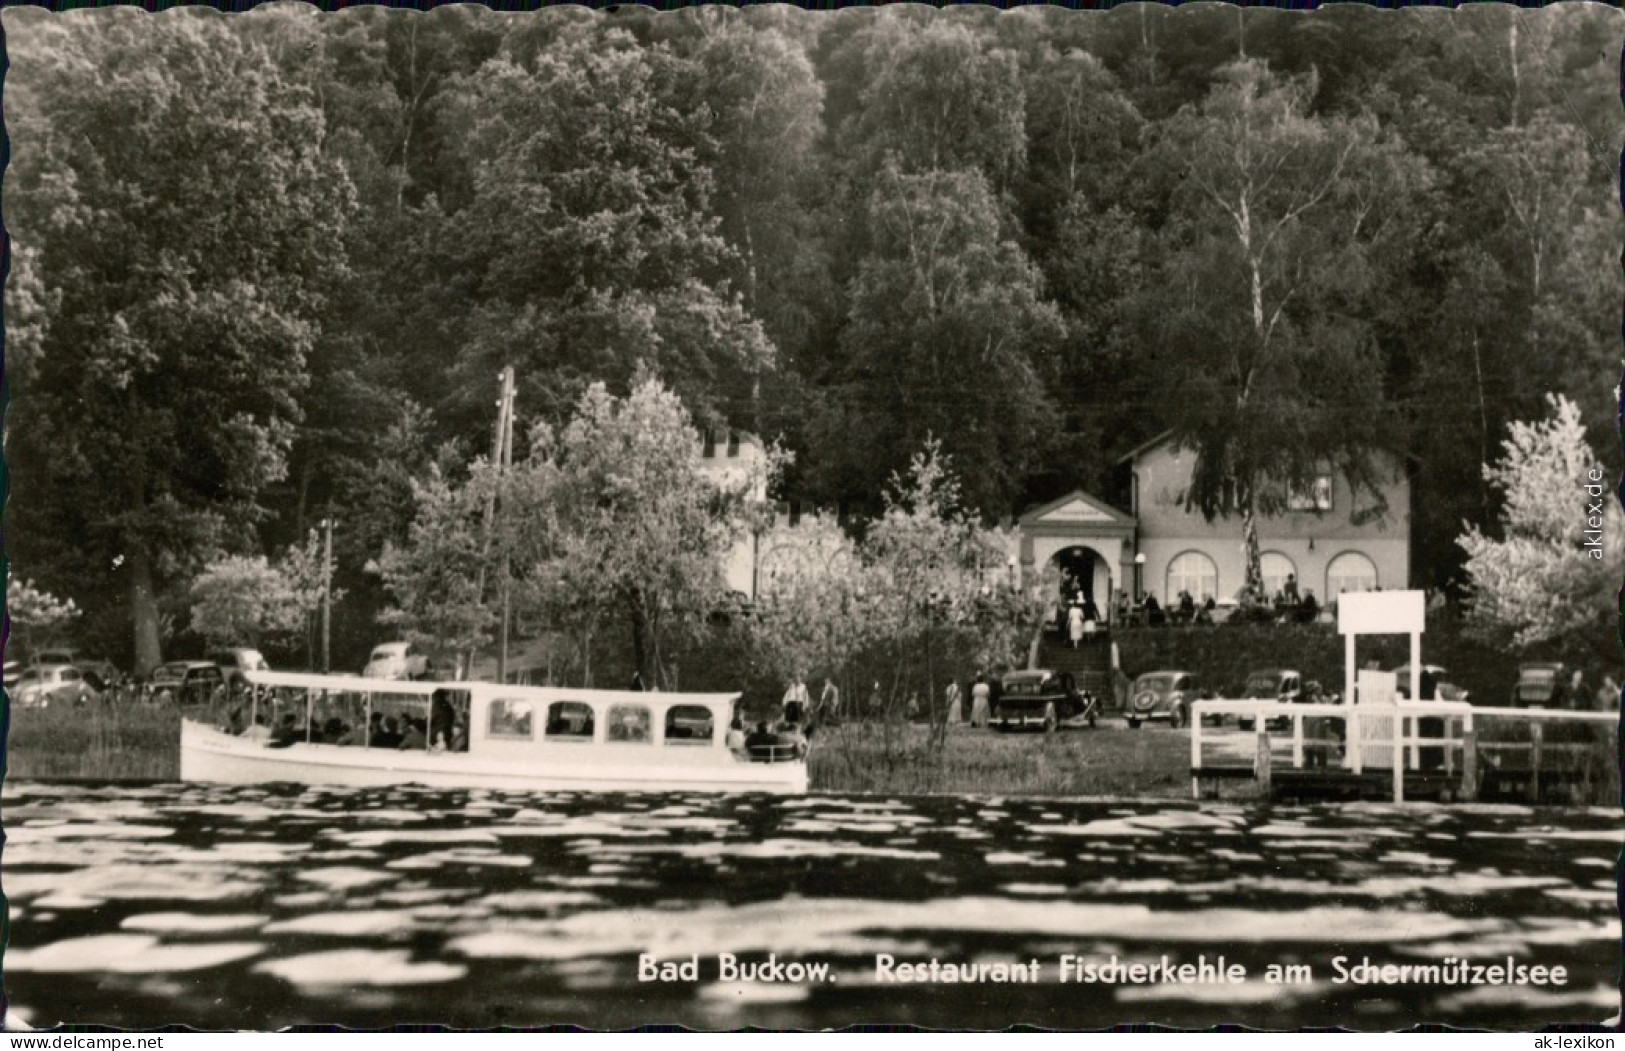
<point>1108,761</point>
<point>143,744</point>
<point>97,744</point>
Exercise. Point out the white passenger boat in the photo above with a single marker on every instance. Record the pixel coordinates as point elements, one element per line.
<point>482,735</point>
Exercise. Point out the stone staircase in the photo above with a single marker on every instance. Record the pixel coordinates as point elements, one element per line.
<point>1090,664</point>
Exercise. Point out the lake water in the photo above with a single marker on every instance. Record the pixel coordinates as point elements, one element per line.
<point>255,908</point>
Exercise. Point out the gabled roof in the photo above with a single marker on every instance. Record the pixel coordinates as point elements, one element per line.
<point>1076,506</point>
<point>1145,446</point>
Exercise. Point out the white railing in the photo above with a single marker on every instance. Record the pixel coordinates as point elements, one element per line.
<point>1400,721</point>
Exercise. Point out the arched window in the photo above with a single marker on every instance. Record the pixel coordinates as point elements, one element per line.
<point>569,721</point>
<point>509,718</point>
<point>1350,571</point>
<point>1275,568</point>
<point>1193,572</point>
<point>689,724</point>
<point>628,723</point>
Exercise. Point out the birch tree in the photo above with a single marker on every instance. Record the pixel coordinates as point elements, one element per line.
<point>1553,573</point>
<point>1260,322</point>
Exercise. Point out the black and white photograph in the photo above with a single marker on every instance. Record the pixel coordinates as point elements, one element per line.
<point>767,518</point>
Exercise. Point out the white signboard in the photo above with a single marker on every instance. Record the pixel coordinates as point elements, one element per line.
<point>1376,695</point>
<point>1381,612</point>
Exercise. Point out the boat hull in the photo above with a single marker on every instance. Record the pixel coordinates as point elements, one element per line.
<point>209,755</point>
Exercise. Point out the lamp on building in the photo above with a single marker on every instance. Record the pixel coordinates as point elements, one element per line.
<point>1139,576</point>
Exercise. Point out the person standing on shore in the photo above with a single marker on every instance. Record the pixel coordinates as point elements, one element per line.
<point>795,700</point>
<point>981,708</point>
<point>955,706</point>
<point>829,702</point>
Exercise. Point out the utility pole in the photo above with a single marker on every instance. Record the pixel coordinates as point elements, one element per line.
<point>327,592</point>
<point>499,442</point>
<point>505,465</point>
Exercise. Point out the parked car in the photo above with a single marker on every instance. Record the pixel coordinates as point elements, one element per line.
<point>1442,689</point>
<point>233,662</point>
<point>1278,684</point>
<point>43,685</point>
<point>1541,684</point>
<point>101,675</point>
<point>185,682</point>
<point>397,660</point>
<point>1165,696</point>
<point>1040,693</point>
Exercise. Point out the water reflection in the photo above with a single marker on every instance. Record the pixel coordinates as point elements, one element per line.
<point>265,907</point>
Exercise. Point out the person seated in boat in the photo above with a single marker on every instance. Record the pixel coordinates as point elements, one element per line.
<point>332,730</point>
<point>459,735</point>
<point>259,731</point>
<point>792,739</point>
<point>348,736</point>
<point>286,733</point>
<point>389,735</point>
<point>761,742</point>
<point>414,738</point>
<point>233,721</point>
<point>735,739</point>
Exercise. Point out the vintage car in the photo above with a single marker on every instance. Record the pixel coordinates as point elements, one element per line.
<point>1541,684</point>
<point>44,685</point>
<point>233,662</point>
<point>1278,684</point>
<point>1041,694</point>
<point>185,682</point>
<point>397,660</point>
<point>1163,695</point>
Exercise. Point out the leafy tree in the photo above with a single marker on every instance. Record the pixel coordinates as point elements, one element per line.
<point>187,295</point>
<point>1259,321</point>
<point>934,566</point>
<point>436,577</point>
<point>812,597</point>
<point>244,600</point>
<point>948,335</point>
<point>935,97</point>
<point>1553,574</point>
<point>588,247</point>
<point>766,105</point>
<point>35,612</point>
<point>642,531</point>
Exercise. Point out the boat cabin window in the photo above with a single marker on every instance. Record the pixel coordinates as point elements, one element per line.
<point>689,724</point>
<point>629,723</point>
<point>510,718</point>
<point>569,721</point>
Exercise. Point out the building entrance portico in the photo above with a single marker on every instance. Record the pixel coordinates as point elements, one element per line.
<point>1087,541</point>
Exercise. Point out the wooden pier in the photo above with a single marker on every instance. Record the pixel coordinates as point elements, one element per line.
<point>1409,750</point>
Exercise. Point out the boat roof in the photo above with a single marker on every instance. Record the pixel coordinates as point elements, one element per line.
<point>422,688</point>
<point>346,683</point>
<point>581,693</point>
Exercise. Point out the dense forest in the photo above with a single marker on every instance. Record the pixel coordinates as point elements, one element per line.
<point>266,268</point>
